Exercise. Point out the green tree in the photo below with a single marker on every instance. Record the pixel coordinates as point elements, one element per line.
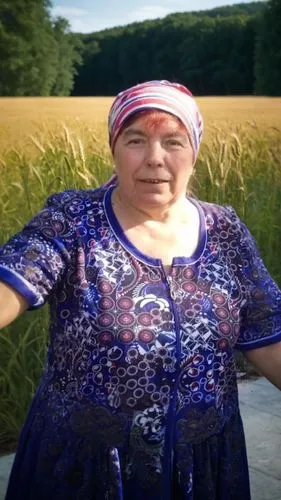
<point>38,55</point>
<point>68,57</point>
<point>27,48</point>
<point>268,50</point>
<point>84,80</point>
<point>217,56</point>
<point>212,52</point>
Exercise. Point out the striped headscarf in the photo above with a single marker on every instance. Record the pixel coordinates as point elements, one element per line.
<point>173,98</point>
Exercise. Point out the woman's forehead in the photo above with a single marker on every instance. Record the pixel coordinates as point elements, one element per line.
<point>155,121</point>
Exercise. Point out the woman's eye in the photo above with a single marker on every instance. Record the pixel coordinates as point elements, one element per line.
<point>174,143</point>
<point>135,141</point>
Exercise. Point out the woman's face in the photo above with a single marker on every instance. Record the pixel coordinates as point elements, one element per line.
<point>153,160</point>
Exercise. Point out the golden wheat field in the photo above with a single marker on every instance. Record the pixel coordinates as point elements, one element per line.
<point>21,118</point>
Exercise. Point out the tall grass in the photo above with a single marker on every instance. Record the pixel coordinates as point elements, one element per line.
<point>239,167</point>
<point>242,167</point>
<point>23,347</point>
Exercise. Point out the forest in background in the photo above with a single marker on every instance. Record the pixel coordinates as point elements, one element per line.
<point>231,50</point>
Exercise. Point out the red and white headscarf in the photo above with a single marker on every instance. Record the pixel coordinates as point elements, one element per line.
<point>173,98</point>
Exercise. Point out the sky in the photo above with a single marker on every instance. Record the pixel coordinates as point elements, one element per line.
<point>87,16</point>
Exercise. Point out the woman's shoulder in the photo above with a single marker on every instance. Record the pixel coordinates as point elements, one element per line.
<point>221,219</point>
<point>72,202</point>
<point>216,212</point>
<point>75,196</point>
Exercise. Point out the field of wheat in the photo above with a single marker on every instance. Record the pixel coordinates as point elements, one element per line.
<point>50,144</point>
<point>22,117</point>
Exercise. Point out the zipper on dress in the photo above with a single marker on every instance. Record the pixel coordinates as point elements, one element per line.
<point>172,297</point>
<point>172,406</point>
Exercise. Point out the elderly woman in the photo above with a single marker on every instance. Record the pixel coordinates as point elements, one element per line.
<point>150,291</point>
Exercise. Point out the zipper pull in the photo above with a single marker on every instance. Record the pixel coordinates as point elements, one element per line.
<point>170,283</point>
<point>169,279</point>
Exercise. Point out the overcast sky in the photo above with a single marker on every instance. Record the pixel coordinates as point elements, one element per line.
<point>86,16</point>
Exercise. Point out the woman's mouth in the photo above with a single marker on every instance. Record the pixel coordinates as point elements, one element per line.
<point>153,181</point>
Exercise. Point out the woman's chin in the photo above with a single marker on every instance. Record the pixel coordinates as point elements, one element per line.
<point>153,198</point>
<point>148,195</point>
<point>153,192</point>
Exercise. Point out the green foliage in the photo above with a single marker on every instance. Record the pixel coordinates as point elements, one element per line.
<point>38,56</point>
<point>231,50</point>
<point>268,50</point>
<point>217,56</point>
<point>68,57</point>
<point>27,48</point>
<point>210,51</point>
<point>240,9</point>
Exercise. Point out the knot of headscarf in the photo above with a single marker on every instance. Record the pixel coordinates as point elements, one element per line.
<point>172,98</point>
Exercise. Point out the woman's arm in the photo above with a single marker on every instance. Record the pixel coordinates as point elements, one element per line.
<point>12,304</point>
<point>267,360</point>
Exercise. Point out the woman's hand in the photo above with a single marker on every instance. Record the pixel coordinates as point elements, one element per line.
<point>267,360</point>
<point>12,304</point>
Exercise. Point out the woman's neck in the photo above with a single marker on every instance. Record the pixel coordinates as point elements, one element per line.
<point>178,210</point>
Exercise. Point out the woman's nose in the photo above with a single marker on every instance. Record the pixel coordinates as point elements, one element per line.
<point>155,155</point>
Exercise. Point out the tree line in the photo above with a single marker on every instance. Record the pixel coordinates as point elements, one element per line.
<point>39,56</point>
<point>232,50</point>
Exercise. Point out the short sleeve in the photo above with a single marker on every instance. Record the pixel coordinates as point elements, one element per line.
<point>261,309</point>
<point>34,260</point>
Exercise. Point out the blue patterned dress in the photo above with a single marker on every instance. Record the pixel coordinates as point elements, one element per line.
<point>138,399</point>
